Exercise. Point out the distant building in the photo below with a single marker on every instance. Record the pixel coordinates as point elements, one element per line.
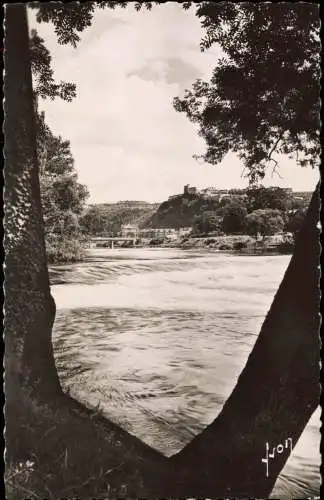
<point>209,192</point>
<point>287,191</point>
<point>212,192</point>
<point>238,192</point>
<point>145,233</point>
<point>189,189</point>
<point>275,239</point>
<point>169,233</point>
<point>129,231</point>
<point>184,231</point>
<point>148,234</point>
<point>172,236</point>
<point>163,232</point>
<point>279,238</point>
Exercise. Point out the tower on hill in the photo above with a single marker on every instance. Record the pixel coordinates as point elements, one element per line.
<point>189,189</point>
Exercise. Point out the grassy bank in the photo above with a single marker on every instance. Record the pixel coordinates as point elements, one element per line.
<point>230,243</point>
<point>235,243</point>
<point>65,251</point>
<point>62,450</point>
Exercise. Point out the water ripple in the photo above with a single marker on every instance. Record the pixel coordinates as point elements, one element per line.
<point>158,339</point>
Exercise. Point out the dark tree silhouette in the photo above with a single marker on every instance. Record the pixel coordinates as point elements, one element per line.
<point>263,98</point>
<point>29,306</point>
<point>266,222</point>
<point>44,84</point>
<point>274,198</point>
<point>234,214</point>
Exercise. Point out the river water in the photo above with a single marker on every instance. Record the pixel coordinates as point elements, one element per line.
<point>156,338</point>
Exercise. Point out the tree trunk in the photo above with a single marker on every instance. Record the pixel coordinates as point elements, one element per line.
<point>29,307</point>
<point>275,395</point>
<point>278,389</point>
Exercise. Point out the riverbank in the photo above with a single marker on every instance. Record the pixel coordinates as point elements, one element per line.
<point>60,449</point>
<point>189,319</point>
<point>242,244</point>
<point>65,251</point>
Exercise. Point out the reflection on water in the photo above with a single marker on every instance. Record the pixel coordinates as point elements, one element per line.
<point>157,338</point>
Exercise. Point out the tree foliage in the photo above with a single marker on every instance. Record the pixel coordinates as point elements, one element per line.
<point>54,153</point>
<point>63,197</point>
<point>263,97</point>
<point>234,215</point>
<point>265,222</point>
<point>43,75</point>
<point>207,222</point>
<point>92,222</point>
<point>72,18</point>
<point>275,198</point>
<point>295,220</point>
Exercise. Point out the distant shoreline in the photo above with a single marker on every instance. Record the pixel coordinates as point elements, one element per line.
<point>237,244</point>
<point>234,244</point>
<point>248,252</point>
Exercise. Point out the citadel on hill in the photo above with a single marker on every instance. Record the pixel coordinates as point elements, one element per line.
<point>207,211</point>
<point>215,193</point>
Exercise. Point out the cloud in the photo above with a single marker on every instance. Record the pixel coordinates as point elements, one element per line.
<point>169,70</point>
<point>127,140</point>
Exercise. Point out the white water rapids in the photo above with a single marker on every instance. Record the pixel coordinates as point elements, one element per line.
<point>158,338</point>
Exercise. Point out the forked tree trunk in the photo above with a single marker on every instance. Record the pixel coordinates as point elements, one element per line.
<point>29,307</point>
<point>275,395</point>
<point>278,389</point>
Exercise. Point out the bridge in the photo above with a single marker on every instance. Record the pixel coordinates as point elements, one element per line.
<point>110,240</point>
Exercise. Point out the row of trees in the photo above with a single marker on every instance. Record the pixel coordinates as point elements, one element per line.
<point>107,219</point>
<point>261,210</point>
<point>264,211</point>
<point>63,197</point>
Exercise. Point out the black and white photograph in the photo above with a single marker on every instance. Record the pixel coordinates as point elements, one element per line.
<point>162,250</point>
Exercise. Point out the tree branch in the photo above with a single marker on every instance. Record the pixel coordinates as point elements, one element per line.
<point>275,168</point>
<point>274,147</point>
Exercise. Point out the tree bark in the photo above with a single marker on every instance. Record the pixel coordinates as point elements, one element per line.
<point>29,307</point>
<point>278,389</point>
<point>276,393</point>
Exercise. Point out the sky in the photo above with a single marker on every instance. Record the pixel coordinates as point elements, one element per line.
<point>127,140</point>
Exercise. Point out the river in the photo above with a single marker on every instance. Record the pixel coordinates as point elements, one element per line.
<point>156,339</point>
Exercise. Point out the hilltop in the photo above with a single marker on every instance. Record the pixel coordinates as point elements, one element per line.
<point>180,211</point>
<point>114,215</point>
<point>193,207</point>
<point>183,210</point>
